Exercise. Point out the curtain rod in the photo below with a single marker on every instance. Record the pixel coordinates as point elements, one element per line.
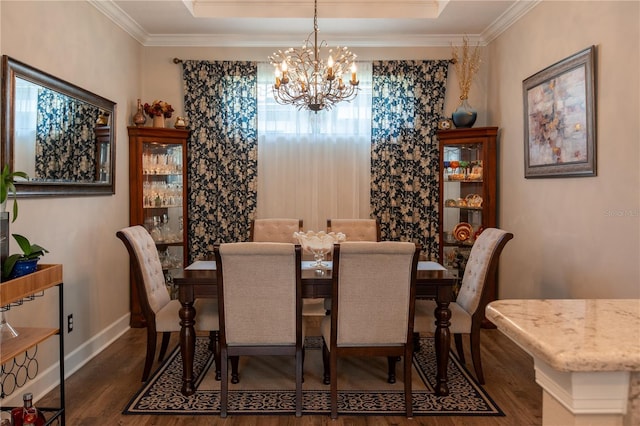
<point>179,61</point>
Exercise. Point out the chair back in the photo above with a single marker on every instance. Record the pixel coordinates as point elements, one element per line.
<point>356,229</point>
<point>373,293</point>
<point>274,230</point>
<point>482,266</point>
<point>147,268</point>
<point>259,293</point>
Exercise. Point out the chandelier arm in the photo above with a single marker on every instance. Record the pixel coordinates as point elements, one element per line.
<point>305,81</point>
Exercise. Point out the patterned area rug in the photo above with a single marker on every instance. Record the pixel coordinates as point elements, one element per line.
<point>267,386</point>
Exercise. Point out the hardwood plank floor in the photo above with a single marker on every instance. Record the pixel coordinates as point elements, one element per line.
<point>97,393</point>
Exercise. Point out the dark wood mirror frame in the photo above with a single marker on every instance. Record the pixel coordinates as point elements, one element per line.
<point>12,69</point>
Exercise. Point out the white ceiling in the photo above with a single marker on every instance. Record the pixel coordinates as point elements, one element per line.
<point>255,23</point>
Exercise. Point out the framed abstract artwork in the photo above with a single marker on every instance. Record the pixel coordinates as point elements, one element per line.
<point>560,119</point>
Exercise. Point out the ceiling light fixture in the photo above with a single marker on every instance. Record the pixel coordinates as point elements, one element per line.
<point>305,80</point>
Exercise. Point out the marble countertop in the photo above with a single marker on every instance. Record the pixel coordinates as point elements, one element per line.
<point>574,334</point>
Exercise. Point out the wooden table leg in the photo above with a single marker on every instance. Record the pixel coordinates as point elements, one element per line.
<point>187,339</point>
<point>442,342</point>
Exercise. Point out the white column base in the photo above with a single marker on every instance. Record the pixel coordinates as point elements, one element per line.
<point>582,398</point>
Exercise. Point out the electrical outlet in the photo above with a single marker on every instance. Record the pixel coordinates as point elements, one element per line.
<point>69,323</point>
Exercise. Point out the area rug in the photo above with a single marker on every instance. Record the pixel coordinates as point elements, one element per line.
<point>267,386</point>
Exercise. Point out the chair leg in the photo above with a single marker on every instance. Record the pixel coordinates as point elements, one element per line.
<point>299,369</point>
<point>408,393</point>
<point>392,369</point>
<point>151,352</point>
<point>459,346</point>
<point>214,345</point>
<point>333,366</point>
<point>325,364</point>
<point>416,342</point>
<point>235,377</point>
<point>164,345</point>
<point>303,355</point>
<point>475,352</point>
<point>224,382</point>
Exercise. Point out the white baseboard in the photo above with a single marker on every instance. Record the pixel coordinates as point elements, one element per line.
<point>48,379</point>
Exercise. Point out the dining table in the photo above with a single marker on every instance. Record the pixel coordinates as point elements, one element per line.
<point>199,280</point>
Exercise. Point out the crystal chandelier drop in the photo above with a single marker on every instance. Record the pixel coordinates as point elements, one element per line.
<point>305,80</point>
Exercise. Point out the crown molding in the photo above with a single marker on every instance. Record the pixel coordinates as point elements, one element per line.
<point>508,18</point>
<point>120,18</point>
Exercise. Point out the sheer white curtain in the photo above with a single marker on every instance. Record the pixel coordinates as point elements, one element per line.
<point>26,115</point>
<point>314,166</point>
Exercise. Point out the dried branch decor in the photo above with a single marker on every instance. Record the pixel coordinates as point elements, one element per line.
<point>467,64</point>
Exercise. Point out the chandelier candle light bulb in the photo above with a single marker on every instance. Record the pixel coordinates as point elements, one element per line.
<point>303,79</point>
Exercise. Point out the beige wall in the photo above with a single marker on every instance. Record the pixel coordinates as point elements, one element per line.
<point>577,237</point>
<point>163,79</point>
<point>75,42</point>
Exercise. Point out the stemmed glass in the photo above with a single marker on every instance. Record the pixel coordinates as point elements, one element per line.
<point>6,331</point>
<point>319,244</point>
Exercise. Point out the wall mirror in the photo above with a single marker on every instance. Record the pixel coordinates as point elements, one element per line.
<point>61,135</point>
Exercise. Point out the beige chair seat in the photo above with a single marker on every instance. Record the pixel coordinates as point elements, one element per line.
<point>425,320</point>
<point>206,315</point>
<point>467,311</point>
<point>260,305</point>
<point>160,312</point>
<point>372,309</point>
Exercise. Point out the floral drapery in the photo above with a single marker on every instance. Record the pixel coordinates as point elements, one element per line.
<point>408,100</point>
<point>65,138</point>
<point>220,101</point>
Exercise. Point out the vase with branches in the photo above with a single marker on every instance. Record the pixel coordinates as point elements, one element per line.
<point>466,61</point>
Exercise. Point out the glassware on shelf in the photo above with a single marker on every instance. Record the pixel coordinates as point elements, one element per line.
<point>319,244</point>
<point>6,331</point>
<point>167,162</point>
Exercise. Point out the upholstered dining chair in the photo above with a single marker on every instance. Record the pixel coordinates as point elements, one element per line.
<point>159,310</point>
<point>274,230</point>
<point>467,311</point>
<point>372,309</point>
<point>260,306</point>
<point>280,230</point>
<point>356,229</point>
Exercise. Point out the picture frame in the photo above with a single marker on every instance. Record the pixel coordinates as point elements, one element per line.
<point>560,118</point>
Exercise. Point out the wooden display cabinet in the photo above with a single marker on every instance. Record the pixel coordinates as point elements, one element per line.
<point>468,193</point>
<point>158,198</point>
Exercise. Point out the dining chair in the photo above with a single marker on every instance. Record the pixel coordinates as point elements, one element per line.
<point>356,229</point>
<point>467,312</point>
<point>274,230</point>
<point>372,309</point>
<point>159,310</point>
<point>260,306</point>
<point>280,230</point>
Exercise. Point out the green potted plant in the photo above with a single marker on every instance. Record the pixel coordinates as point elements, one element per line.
<point>7,188</point>
<point>18,264</point>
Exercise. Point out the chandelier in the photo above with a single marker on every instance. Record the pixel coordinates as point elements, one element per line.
<point>305,80</point>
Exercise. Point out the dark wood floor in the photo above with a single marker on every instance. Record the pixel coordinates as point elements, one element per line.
<point>98,392</point>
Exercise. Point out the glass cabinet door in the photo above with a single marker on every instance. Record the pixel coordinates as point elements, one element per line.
<point>157,199</point>
<point>467,191</point>
<point>463,197</point>
<point>162,198</point>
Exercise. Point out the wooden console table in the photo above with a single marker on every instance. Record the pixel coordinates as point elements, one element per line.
<point>15,294</point>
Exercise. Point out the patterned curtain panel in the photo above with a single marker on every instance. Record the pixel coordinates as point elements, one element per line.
<point>220,103</point>
<point>408,100</point>
<point>65,138</point>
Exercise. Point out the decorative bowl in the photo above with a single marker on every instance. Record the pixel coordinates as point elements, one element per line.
<point>319,244</point>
